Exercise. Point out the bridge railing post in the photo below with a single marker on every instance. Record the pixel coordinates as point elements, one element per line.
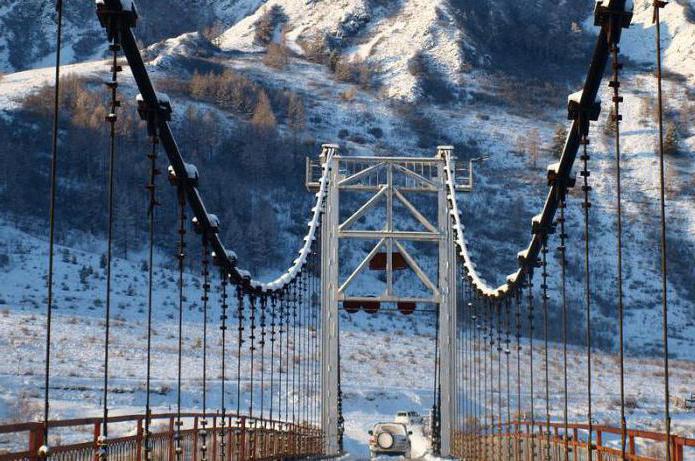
<point>95,441</point>
<point>678,449</point>
<point>170,434</point>
<point>35,440</point>
<point>195,438</point>
<point>213,436</point>
<point>242,436</point>
<point>138,441</point>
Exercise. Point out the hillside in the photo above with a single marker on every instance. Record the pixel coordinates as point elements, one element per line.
<point>365,120</point>
<point>28,37</point>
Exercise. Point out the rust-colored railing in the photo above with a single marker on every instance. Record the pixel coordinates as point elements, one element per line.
<point>522,441</point>
<point>246,438</point>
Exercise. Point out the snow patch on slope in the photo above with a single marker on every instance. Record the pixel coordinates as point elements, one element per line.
<point>419,26</point>
<point>678,37</point>
<point>385,37</point>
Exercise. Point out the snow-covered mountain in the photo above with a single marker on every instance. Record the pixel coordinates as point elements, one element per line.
<point>484,112</point>
<point>27,37</point>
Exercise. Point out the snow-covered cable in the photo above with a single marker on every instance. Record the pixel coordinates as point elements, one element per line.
<point>478,282</point>
<point>288,277</point>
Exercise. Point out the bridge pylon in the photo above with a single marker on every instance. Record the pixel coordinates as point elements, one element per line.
<point>389,180</point>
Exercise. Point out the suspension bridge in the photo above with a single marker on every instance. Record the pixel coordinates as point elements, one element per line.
<point>483,408</point>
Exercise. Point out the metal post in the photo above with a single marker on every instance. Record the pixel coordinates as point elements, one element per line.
<point>447,311</point>
<point>329,306</point>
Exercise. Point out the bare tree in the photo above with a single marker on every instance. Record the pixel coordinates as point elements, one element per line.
<point>533,142</point>
<point>264,119</point>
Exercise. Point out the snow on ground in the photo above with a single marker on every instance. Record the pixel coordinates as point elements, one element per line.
<point>678,35</point>
<point>417,26</point>
<point>302,16</point>
<point>15,87</point>
<point>386,37</point>
<point>387,361</point>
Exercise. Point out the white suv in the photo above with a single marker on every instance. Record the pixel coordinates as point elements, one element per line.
<point>409,418</point>
<point>389,439</point>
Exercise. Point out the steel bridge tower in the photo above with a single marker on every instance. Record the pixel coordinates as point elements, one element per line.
<point>387,179</point>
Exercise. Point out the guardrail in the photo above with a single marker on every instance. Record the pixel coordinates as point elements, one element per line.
<point>246,438</point>
<point>522,441</point>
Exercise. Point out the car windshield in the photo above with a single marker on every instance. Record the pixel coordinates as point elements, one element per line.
<point>397,429</point>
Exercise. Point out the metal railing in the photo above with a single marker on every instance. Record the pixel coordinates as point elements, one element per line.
<point>246,438</point>
<point>522,441</point>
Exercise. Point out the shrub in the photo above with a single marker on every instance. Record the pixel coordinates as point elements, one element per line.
<point>377,132</point>
<point>315,49</point>
<point>349,94</point>
<point>672,139</point>
<point>276,56</point>
<point>357,72</point>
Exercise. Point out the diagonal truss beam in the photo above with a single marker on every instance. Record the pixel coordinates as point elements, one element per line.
<point>416,268</point>
<point>418,177</point>
<point>363,209</point>
<point>424,221</point>
<point>362,265</point>
<point>359,175</point>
